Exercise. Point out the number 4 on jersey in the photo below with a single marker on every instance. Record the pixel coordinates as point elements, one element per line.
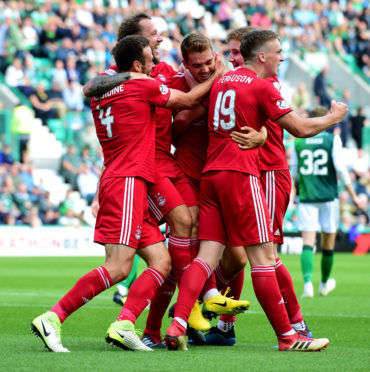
<point>106,119</point>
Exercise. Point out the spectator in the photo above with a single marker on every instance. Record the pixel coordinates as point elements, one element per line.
<point>357,125</point>
<point>89,137</point>
<point>72,96</point>
<point>7,157</point>
<point>59,74</point>
<point>70,166</point>
<point>40,102</point>
<point>23,201</point>
<point>301,99</point>
<point>21,124</point>
<point>14,74</point>
<point>87,182</point>
<point>69,219</point>
<point>319,88</point>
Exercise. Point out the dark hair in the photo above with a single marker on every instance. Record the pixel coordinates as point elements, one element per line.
<point>195,43</point>
<point>318,111</point>
<point>131,25</point>
<point>239,33</point>
<point>254,41</point>
<point>128,50</point>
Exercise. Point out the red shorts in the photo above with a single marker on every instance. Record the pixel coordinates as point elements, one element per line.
<point>277,186</point>
<point>168,193</point>
<point>123,216</point>
<point>233,209</point>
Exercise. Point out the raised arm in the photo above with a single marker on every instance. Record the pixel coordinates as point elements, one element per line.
<point>308,127</point>
<point>101,84</point>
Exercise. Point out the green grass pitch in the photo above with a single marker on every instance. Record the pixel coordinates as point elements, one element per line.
<point>30,286</point>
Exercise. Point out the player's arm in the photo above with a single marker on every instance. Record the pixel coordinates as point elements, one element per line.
<point>184,118</point>
<point>341,169</point>
<point>249,138</point>
<point>101,84</point>
<point>308,127</point>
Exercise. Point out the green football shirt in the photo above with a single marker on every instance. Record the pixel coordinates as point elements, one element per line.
<point>317,175</point>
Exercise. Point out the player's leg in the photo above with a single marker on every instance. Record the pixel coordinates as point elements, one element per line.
<point>120,295</point>
<point>230,276</point>
<point>277,187</point>
<point>329,217</point>
<point>167,201</point>
<point>308,224</point>
<point>215,209</point>
<point>268,293</point>
<point>122,332</point>
<point>113,230</point>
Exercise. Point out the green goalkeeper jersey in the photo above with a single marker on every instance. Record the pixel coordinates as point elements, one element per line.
<point>317,175</point>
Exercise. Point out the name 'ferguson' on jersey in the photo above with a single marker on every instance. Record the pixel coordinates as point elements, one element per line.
<point>239,99</point>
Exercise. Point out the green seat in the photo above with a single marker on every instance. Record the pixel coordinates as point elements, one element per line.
<point>58,128</point>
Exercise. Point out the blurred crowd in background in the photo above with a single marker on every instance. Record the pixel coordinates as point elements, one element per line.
<point>50,49</point>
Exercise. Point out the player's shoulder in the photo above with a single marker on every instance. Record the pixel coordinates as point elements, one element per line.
<point>163,72</point>
<point>111,70</point>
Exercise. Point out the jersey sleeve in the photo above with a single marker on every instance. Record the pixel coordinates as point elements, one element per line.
<point>155,93</point>
<point>273,103</point>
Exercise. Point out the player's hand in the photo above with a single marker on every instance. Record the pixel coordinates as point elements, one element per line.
<point>357,201</point>
<point>190,81</point>
<point>338,110</point>
<point>220,67</point>
<point>94,207</point>
<point>250,138</point>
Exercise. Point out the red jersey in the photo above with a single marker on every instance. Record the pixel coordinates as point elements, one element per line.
<point>191,145</point>
<point>125,125</point>
<point>163,73</point>
<point>239,99</point>
<point>272,153</point>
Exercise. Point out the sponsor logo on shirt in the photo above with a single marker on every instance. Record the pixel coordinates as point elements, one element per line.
<point>161,77</point>
<point>282,105</point>
<point>163,88</point>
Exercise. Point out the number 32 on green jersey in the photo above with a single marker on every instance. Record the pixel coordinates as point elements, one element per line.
<point>314,162</point>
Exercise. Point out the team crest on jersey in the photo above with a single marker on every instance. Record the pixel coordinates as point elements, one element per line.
<point>161,77</point>
<point>163,88</point>
<point>161,200</point>
<point>282,105</point>
<point>138,233</point>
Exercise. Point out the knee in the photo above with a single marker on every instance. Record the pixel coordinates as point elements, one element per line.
<point>117,272</point>
<point>163,264</point>
<point>182,225</point>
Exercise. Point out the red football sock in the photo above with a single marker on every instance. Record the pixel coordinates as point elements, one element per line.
<point>86,288</point>
<point>287,290</point>
<point>179,249</point>
<point>141,294</point>
<point>236,287</point>
<point>158,308</point>
<point>193,281</point>
<point>194,247</point>
<point>222,277</point>
<point>269,296</point>
<point>209,284</point>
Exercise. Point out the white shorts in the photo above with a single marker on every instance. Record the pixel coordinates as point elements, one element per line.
<point>312,216</point>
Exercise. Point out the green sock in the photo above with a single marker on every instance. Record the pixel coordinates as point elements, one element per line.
<point>327,261</point>
<point>133,273</point>
<point>307,263</point>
